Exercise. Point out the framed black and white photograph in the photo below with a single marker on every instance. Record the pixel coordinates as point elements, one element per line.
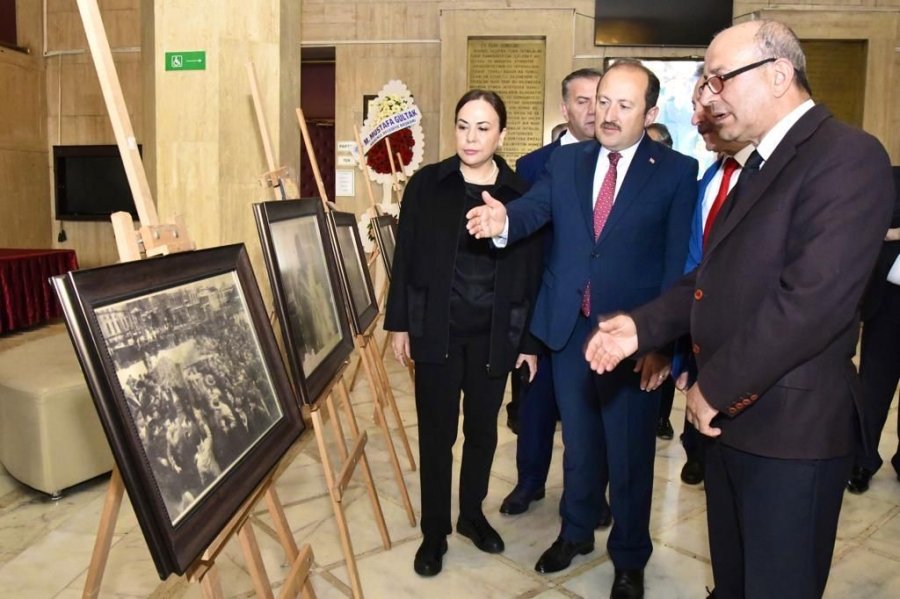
<point>306,284</point>
<point>385,227</point>
<point>354,271</point>
<point>190,387</point>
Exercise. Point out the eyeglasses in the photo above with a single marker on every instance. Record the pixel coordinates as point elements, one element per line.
<point>716,83</point>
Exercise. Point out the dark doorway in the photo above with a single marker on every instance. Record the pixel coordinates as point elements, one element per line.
<point>317,102</point>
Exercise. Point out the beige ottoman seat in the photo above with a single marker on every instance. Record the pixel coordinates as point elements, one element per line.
<point>50,434</point>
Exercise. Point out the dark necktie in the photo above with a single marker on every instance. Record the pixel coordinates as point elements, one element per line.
<point>602,208</point>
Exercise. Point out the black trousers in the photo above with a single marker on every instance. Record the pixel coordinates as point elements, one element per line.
<point>772,522</point>
<point>879,370</point>
<point>438,388</point>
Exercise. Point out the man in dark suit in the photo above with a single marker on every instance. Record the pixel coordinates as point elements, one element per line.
<point>879,357</point>
<point>772,310</point>
<point>611,254</point>
<point>536,414</point>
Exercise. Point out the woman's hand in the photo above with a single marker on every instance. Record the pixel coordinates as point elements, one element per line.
<point>531,360</point>
<point>400,345</point>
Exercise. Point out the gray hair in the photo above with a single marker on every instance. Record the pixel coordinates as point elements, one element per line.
<point>777,40</point>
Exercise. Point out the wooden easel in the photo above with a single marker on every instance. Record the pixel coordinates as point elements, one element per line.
<point>155,239</point>
<point>362,342</point>
<point>372,264</point>
<point>277,178</point>
<point>338,478</point>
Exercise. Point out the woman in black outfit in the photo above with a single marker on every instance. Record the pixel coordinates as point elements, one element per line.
<point>459,307</point>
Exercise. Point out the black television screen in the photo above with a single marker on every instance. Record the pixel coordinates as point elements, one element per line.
<point>90,183</point>
<point>655,23</point>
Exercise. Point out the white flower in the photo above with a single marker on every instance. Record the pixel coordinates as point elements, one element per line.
<point>365,232</point>
<point>390,208</point>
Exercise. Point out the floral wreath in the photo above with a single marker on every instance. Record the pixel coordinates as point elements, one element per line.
<point>367,228</point>
<point>392,115</point>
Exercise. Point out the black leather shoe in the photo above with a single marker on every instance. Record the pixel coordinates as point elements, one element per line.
<point>628,584</point>
<point>692,472</point>
<point>560,554</point>
<point>664,429</point>
<point>518,500</point>
<point>605,518</point>
<point>859,480</point>
<point>430,556</point>
<point>482,534</point>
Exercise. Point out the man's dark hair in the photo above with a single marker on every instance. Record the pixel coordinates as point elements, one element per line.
<point>587,73</point>
<point>651,96</point>
<point>664,136</point>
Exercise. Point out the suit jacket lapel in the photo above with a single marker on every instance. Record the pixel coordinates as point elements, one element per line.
<point>757,186</point>
<point>584,183</point>
<point>639,173</point>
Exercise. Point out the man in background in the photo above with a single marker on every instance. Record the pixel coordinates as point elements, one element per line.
<point>879,357</point>
<point>536,409</point>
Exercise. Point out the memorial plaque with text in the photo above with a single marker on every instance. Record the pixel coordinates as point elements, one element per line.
<point>514,68</point>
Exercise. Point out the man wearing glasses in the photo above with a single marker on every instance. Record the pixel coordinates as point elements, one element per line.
<point>772,311</point>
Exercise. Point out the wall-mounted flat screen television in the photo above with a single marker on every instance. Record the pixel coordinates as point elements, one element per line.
<point>90,183</point>
<point>656,23</point>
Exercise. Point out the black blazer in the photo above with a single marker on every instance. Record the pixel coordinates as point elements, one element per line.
<point>773,306</point>
<point>431,217</point>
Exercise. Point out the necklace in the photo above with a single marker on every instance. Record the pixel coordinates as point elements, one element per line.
<point>491,178</point>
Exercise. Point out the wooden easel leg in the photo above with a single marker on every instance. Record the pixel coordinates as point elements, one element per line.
<point>355,374</point>
<point>257,570</point>
<point>343,532</point>
<point>211,585</point>
<point>367,472</point>
<point>297,581</point>
<point>111,505</point>
<point>388,395</point>
<point>368,354</point>
<point>279,521</point>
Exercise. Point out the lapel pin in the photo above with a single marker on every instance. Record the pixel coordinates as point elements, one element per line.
<point>652,160</point>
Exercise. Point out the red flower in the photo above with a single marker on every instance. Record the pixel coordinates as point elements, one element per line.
<point>402,143</point>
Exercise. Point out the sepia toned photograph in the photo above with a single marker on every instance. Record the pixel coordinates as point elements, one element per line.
<point>183,367</point>
<point>385,227</point>
<point>306,284</point>
<point>354,271</point>
<point>174,354</point>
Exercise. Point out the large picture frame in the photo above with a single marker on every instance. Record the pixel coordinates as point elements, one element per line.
<point>385,227</point>
<point>355,278</point>
<point>306,283</point>
<point>190,387</point>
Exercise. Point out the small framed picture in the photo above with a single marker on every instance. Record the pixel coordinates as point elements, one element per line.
<point>190,387</point>
<point>306,284</point>
<point>354,268</point>
<point>385,227</point>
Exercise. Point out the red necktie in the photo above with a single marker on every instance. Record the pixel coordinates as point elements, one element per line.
<point>728,169</point>
<point>602,208</point>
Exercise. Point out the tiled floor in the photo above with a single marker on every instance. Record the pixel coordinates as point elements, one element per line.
<point>45,545</point>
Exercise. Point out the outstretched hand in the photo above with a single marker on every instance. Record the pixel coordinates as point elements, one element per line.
<point>488,220</point>
<point>613,340</point>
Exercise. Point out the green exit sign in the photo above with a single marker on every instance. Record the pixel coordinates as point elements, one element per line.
<point>186,61</point>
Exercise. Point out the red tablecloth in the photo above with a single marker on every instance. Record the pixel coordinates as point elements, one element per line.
<point>26,297</point>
